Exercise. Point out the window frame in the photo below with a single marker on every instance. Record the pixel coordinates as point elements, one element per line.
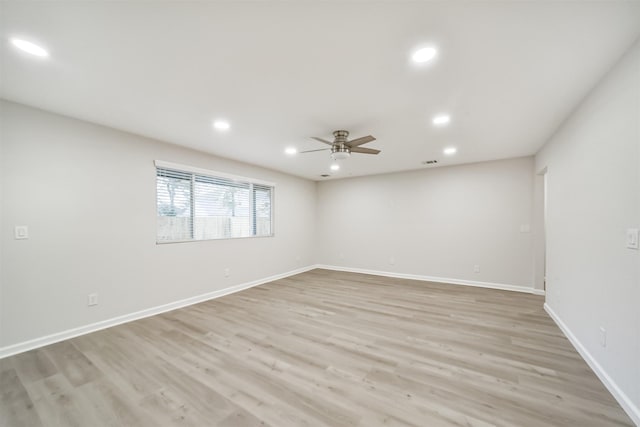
<point>193,171</point>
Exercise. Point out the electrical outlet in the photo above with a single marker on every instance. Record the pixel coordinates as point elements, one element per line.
<point>603,336</point>
<point>227,272</point>
<point>92,299</point>
<point>476,268</point>
<point>632,238</point>
<point>392,260</point>
<point>21,232</point>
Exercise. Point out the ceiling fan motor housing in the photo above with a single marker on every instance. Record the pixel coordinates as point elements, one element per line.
<point>340,136</point>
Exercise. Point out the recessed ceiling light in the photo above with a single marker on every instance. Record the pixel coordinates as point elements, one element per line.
<point>441,120</point>
<point>29,47</point>
<point>423,55</point>
<point>449,151</point>
<point>335,167</point>
<point>291,151</point>
<point>221,125</point>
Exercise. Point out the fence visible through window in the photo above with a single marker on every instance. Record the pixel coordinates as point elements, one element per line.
<point>197,206</point>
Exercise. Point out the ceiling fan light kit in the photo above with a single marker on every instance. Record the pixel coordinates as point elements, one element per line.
<point>340,153</point>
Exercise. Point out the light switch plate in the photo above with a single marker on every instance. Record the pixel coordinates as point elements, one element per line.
<point>21,232</point>
<point>632,238</point>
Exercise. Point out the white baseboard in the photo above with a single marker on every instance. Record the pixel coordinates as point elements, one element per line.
<point>623,399</point>
<point>490,285</point>
<point>93,327</point>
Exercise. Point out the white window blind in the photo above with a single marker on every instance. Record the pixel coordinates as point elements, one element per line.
<point>174,205</point>
<point>198,205</point>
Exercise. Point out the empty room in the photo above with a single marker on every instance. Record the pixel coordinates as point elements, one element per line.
<point>319,213</point>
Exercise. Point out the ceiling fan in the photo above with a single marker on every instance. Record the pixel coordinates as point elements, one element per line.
<point>341,148</point>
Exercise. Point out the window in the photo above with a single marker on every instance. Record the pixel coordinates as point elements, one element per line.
<point>195,204</point>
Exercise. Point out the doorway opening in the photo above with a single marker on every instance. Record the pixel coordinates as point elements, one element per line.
<point>541,212</point>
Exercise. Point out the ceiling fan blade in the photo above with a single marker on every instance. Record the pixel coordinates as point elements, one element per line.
<point>311,151</point>
<point>360,141</point>
<point>364,150</point>
<point>322,140</point>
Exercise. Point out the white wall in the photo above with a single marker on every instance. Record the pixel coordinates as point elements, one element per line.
<point>593,280</point>
<point>437,222</point>
<point>87,194</point>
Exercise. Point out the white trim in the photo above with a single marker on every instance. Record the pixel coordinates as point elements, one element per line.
<point>93,327</point>
<point>207,172</point>
<point>623,399</point>
<point>490,285</point>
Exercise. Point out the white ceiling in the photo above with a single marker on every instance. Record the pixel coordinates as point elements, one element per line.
<point>281,72</point>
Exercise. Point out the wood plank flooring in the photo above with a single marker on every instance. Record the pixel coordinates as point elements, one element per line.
<point>321,348</point>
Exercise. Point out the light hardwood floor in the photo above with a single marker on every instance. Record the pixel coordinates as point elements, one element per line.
<point>321,348</point>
